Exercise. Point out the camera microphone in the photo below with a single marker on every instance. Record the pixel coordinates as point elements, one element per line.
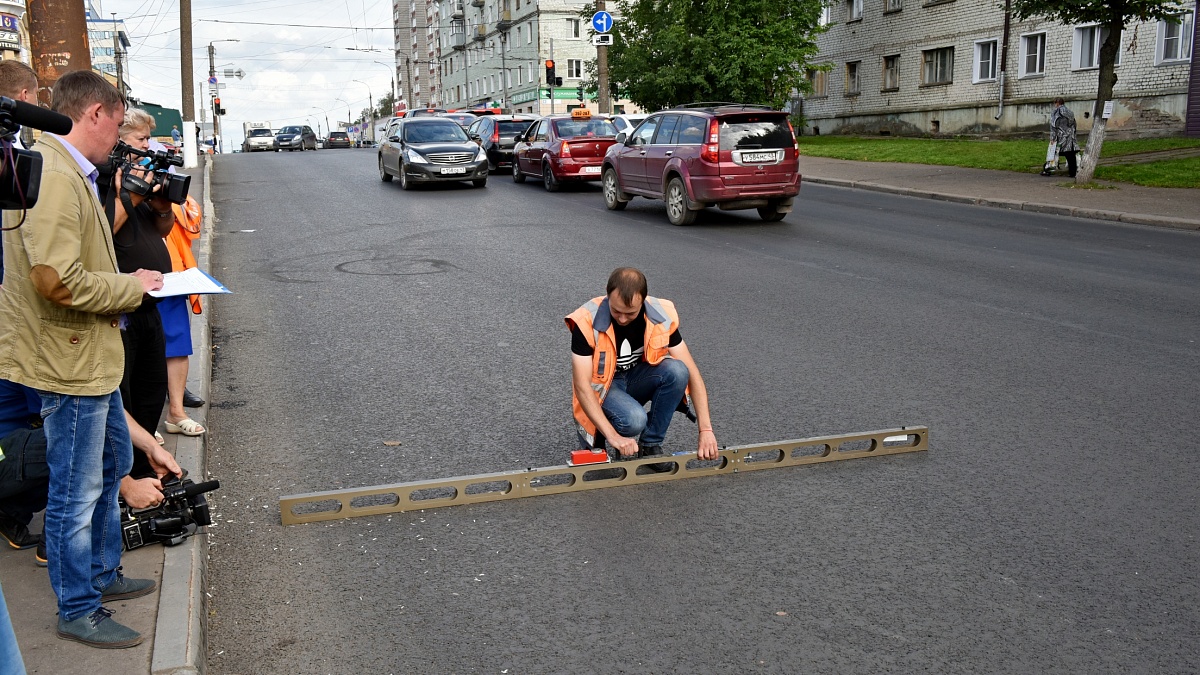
<point>34,116</point>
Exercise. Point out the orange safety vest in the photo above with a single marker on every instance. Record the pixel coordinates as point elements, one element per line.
<point>179,241</point>
<point>595,322</point>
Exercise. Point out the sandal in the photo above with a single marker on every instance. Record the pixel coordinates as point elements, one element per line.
<point>186,426</point>
<point>159,437</point>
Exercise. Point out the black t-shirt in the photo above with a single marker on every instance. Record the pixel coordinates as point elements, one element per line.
<point>139,245</point>
<point>630,340</point>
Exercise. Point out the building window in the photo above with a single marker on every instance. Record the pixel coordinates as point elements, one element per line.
<point>1033,54</point>
<point>985,61</point>
<point>520,74</point>
<point>826,15</point>
<point>518,33</point>
<point>852,69</point>
<point>573,28</point>
<point>575,68</point>
<point>890,6</point>
<point>854,10</point>
<point>937,66</point>
<point>891,73</point>
<point>1086,51</point>
<point>1175,38</point>
<point>819,80</point>
<point>529,34</point>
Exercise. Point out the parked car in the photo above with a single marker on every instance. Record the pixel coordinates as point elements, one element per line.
<point>497,136</point>
<point>296,138</point>
<point>728,156</point>
<point>423,112</point>
<point>430,149</point>
<point>338,139</point>
<point>464,119</point>
<point>627,123</point>
<point>563,148</point>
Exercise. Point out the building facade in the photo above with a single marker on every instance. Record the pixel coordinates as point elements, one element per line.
<point>109,44</point>
<point>492,54</point>
<point>913,67</point>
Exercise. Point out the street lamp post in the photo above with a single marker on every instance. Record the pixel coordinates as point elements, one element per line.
<point>393,71</point>
<point>370,107</point>
<point>327,127</point>
<point>347,112</point>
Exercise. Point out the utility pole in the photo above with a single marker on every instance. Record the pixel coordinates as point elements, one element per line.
<point>185,78</point>
<point>551,83</point>
<point>57,41</point>
<point>117,55</point>
<point>408,83</point>
<point>504,68</point>
<point>603,103</point>
<point>212,72</point>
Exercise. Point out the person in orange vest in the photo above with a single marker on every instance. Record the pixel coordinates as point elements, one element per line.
<point>627,351</point>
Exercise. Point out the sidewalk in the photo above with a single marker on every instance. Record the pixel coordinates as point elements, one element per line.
<point>1127,203</point>
<point>170,619</point>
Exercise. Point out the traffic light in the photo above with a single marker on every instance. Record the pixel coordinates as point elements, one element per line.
<point>558,81</point>
<point>550,73</point>
<point>217,109</point>
<point>579,90</point>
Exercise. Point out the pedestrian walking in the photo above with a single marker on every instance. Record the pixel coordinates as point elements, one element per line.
<point>1062,138</point>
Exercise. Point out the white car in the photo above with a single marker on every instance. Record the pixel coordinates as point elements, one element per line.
<point>626,123</point>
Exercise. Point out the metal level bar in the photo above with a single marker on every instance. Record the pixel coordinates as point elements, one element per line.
<point>490,487</point>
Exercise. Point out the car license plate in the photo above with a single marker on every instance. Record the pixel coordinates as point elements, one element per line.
<point>453,170</point>
<point>752,157</point>
<point>591,169</point>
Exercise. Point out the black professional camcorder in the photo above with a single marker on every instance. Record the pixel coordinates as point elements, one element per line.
<point>172,186</point>
<point>21,170</point>
<point>183,511</point>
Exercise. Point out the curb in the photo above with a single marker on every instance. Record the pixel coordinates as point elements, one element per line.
<point>1015,205</point>
<point>181,632</point>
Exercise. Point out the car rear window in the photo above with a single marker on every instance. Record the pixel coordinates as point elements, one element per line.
<point>751,132</point>
<point>338,134</point>
<point>507,128</point>
<point>592,127</point>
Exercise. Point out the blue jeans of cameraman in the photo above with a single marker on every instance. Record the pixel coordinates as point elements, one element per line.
<point>662,386</point>
<point>88,451</point>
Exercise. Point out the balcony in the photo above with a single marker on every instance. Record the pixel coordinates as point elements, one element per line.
<point>505,21</point>
<point>480,33</point>
<point>458,41</point>
<point>477,3</point>
<point>457,11</point>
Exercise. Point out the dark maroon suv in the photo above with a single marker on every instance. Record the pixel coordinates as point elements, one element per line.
<point>726,155</point>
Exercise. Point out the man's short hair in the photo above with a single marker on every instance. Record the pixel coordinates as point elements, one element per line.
<point>1059,101</point>
<point>15,76</point>
<point>79,89</point>
<point>137,119</point>
<point>628,282</point>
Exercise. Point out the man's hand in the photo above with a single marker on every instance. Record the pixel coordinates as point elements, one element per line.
<point>141,493</point>
<point>163,462</point>
<point>151,280</point>
<point>625,446</point>
<point>707,448</point>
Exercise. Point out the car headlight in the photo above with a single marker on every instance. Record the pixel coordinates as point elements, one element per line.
<point>414,157</point>
<point>481,155</point>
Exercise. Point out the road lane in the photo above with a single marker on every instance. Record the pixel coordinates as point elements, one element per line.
<point>1048,528</point>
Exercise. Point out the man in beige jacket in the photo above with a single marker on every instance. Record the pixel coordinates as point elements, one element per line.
<point>60,307</point>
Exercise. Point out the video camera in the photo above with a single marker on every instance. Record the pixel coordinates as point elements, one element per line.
<point>21,170</point>
<point>182,512</point>
<point>172,186</point>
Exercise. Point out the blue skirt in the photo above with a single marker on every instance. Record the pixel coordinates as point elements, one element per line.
<point>177,324</point>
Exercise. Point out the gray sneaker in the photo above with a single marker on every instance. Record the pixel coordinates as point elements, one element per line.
<point>98,630</point>
<point>124,588</point>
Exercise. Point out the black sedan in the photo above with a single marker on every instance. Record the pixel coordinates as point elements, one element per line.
<point>338,139</point>
<point>430,149</point>
<point>496,136</point>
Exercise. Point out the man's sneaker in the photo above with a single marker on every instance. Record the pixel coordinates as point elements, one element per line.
<point>124,588</point>
<point>15,532</point>
<point>39,556</point>
<point>98,630</point>
<point>655,451</point>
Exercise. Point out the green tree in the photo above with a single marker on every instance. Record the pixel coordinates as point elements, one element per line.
<point>669,52</point>
<point>1112,16</point>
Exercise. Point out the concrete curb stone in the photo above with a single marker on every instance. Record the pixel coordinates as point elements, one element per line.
<point>181,633</point>
<point>1033,207</point>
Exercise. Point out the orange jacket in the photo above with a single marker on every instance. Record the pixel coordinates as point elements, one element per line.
<point>179,241</point>
<point>595,322</point>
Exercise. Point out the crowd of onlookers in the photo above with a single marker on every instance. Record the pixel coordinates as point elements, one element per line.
<point>90,363</point>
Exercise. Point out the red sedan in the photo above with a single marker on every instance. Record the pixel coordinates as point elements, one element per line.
<point>563,148</point>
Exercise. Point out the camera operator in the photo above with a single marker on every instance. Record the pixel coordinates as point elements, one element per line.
<point>60,334</point>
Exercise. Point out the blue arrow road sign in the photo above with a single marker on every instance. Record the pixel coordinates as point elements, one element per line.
<point>602,22</point>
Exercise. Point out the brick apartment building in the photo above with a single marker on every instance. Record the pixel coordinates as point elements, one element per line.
<point>916,67</point>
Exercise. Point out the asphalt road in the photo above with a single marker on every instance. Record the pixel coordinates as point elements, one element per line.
<point>1050,528</point>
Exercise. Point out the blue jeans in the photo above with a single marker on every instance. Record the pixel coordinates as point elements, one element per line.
<point>10,655</point>
<point>88,451</point>
<point>661,386</point>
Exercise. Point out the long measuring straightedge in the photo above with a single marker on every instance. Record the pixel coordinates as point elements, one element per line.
<point>490,487</point>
